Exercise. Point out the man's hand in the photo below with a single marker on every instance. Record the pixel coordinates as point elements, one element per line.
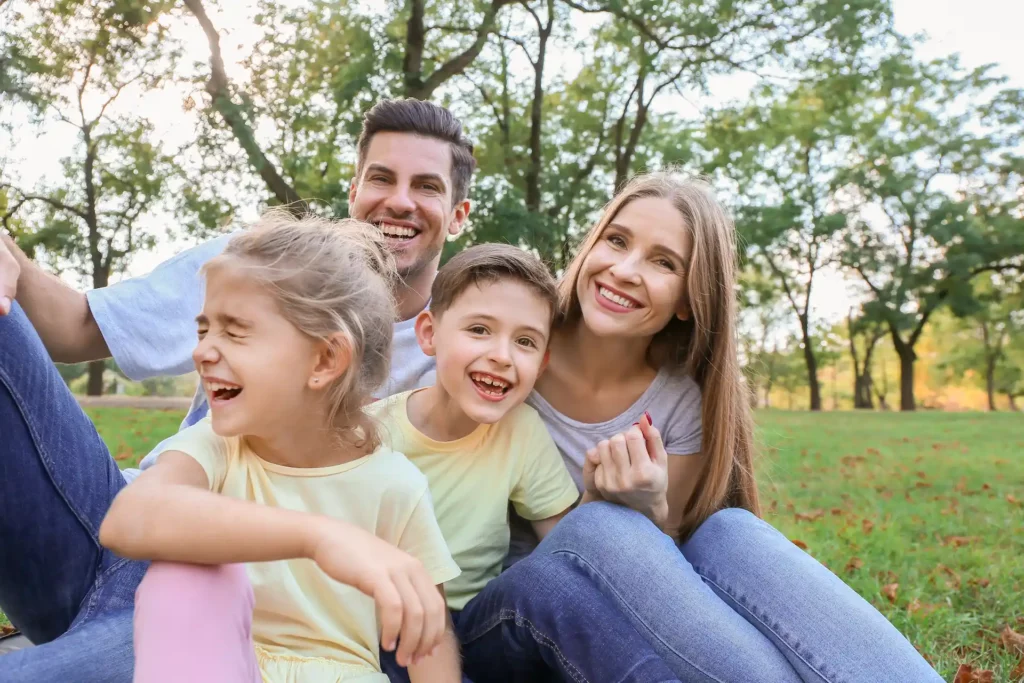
<point>9,273</point>
<point>631,469</point>
<point>412,611</point>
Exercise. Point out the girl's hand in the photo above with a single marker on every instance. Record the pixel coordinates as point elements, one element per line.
<point>631,469</point>
<point>411,609</point>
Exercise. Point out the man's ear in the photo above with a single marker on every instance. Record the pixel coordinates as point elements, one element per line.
<point>425,324</point>
<point>352,188</point>
<point>334,356</point>
<point>459,216</point>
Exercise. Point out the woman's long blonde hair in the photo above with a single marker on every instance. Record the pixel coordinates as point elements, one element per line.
<point>704,346</point>
<point>330,278</point>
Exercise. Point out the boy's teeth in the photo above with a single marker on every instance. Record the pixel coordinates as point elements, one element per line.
<point>612,296</point>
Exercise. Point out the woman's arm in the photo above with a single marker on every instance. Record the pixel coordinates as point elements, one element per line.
<point>168,514</point>
<point>444,664</point>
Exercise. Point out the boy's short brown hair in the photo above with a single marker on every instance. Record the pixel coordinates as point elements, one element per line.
<point>487,263</point>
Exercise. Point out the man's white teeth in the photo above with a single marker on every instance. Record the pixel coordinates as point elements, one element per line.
<point>612,296</point>
<point>397,231</point>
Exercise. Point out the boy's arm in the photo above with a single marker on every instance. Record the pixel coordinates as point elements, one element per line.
<point>168,514</point>
<point>444,664</point>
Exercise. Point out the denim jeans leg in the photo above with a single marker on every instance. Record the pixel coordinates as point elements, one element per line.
<point>543,615</point>
<point>57,481</point>
<point>698,635</point>
<point>97,651</point>
<point>826,630</point>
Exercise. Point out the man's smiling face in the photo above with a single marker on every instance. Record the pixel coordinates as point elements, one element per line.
<point>405,187</point>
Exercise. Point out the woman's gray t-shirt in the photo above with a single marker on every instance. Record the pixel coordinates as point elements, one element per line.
<point>673,400</point>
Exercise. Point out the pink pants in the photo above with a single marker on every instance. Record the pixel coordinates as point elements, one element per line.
<point>194,623</point>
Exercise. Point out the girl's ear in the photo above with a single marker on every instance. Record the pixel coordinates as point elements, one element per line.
<point>425,327</point>
<point>544,362</point>
<point>332,360</point>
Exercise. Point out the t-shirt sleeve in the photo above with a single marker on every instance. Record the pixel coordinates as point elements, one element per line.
<point>148,322</point>
<point>682,435</point>
<point>422,539</point>
<point>204,446</point>
<point>545,488</point>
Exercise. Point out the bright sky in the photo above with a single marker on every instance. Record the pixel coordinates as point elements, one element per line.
<point>982,31</point>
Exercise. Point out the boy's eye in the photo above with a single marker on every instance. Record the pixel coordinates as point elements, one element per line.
<point>477,329</point>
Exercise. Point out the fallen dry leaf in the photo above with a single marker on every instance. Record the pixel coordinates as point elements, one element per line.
<point>809,516</point>
<point>1012,640</point>
<point>1011,500</point>
<point>867,525</point>
<point>837,511</point>
<point>854,564</point>
<point>1018,671</point>
<point>981,583</point>
<point>958,541</point>
<point>968,674</point>
<point>889,591</point>
<point>954,582</point>
<point>6,629</point>
<point>799,544</point>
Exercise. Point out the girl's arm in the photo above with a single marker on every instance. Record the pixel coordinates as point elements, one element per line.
<point>168,513</point>
<point>444,664</point>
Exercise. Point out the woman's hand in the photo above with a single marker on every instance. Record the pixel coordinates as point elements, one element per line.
<point>412,610</point>
<point>630,469</point>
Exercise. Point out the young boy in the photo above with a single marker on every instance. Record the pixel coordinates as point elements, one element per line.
<point>479,445</point>
<point>481,448</point>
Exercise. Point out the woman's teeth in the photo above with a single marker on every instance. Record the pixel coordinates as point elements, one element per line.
<point>612,296</point>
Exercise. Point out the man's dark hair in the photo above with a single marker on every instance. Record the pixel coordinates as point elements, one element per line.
<point>487,263</point>
<point>428,120</point>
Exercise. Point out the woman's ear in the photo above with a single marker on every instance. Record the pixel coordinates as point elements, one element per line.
<point>683,310</point>
<point>425,328</point>
<point>334,356</point>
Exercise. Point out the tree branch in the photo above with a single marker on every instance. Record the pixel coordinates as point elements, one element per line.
<point>25,198</point>
<point>220,90</point>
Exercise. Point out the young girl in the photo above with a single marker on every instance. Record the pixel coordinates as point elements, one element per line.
<point>289,476</point>
<point>647,337</point>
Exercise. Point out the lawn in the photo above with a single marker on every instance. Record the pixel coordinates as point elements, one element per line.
<point>922,514</point>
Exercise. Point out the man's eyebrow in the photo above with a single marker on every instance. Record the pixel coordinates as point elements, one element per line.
<point>380,168</point>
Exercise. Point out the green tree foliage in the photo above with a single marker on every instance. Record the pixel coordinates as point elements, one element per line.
<point>933,189</point>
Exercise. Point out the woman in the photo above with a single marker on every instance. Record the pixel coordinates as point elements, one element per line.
<point>648,326</point>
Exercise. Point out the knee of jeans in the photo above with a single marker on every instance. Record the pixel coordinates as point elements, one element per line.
<point>599,526</point>
<point>186,586</point>
<point>725,532</point>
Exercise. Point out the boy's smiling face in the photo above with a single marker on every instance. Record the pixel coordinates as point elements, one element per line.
<point>491,345</point>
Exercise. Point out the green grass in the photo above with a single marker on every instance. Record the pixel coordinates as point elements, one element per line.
<point>924,501</point>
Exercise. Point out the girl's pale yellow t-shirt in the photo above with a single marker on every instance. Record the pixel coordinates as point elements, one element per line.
<point>306,626</point>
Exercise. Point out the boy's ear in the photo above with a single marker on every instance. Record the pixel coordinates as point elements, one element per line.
<point>425,332</point>
<point>333,358</point>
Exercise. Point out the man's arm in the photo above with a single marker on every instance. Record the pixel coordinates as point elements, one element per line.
<point>60,314</point>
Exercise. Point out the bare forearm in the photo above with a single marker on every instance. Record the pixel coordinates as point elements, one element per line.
<point>183,523</point>
<point>59,313</point>
<point>444,666</point>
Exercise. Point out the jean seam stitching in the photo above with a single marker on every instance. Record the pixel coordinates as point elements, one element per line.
<point>761,621</point>
<point>626,606</point>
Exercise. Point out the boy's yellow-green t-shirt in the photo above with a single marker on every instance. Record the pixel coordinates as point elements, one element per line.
<point>307,626</point>
<point>473,479</point>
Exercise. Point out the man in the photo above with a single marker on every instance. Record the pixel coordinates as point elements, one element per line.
<point>66,593</point>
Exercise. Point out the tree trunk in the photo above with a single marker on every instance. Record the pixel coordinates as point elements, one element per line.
<point>95,385</point>
<point>907,358</point>
<point>812,367</point>
<point>1013,402</point>
<point>990,382</point>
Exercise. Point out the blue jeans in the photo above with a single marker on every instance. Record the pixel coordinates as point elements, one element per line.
<point>66,593</point>
<point>545,620</point>
<point>739,603</point>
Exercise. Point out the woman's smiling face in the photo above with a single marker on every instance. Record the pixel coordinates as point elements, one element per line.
<point>633,280</point>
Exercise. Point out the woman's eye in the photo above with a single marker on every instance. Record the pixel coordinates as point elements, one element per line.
<point>616,241</point>
<point>666,264</point>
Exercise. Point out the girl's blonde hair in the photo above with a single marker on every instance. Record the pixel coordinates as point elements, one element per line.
<point>330,278</point>
<point>704,346</point>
